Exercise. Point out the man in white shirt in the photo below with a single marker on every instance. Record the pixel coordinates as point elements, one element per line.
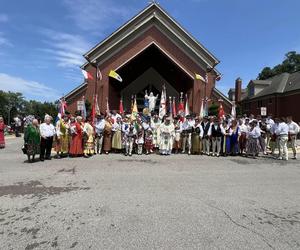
<point>99,127</point>
<point>282,132</point>
<point>47,131</point>
<point>293,131</point>
<point>187,129</point>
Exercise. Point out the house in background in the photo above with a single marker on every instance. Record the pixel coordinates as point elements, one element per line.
<point>278,96</point>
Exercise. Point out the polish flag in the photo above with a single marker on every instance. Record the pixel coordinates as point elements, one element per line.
<point>87,75</point>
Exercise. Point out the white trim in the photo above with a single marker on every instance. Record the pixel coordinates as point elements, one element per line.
<point>119,29</point>
<point>124,37</point>
<point>189,35</point>
<point>187,45</point>
<point>75,90</point>
<point>154,15</point>
<point>169,56</point>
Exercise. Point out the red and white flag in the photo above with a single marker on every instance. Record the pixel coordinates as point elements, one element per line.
<point>99,74</point>
<point>187,108</point>
<point>87,75</point>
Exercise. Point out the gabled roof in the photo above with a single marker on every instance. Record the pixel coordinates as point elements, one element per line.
<point>80,87</point>
<point>280,84</point>
<point>221,95</point>
<point>157,16</point>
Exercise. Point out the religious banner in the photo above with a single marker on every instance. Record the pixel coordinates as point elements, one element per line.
<point>162,106</point>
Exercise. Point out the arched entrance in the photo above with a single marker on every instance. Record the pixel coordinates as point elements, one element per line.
<point>149,70</point>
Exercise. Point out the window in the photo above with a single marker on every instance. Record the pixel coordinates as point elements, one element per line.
<point>259,104</point>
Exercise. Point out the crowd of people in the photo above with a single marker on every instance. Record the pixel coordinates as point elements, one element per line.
<point>73,136</point>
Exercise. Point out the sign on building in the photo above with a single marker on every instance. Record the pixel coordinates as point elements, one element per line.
<point>263,111</point>
<point>80,105</point>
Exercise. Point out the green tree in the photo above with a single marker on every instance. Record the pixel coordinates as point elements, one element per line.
<point>213,109</point>
<point>290,64</point>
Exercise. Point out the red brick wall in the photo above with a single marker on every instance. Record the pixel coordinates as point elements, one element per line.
<point>278,106</point>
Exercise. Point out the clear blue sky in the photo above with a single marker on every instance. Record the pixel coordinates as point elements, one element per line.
<point>42,42</point>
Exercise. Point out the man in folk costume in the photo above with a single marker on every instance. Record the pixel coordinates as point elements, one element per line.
<point>293,132</point>
<point>216,133</point>
<point>187,129</point>
<point>178,131</point>
<point>197,136</point>
<point>47,131</point>
<point>243,136</point>
<point>205,140</point>
<point>99,128</point>
<point>89,139</point>
<point>76,128</point>
<point>129,134</point>
<point>167,134</point>
<point>274,141</point>
<point>155,124</point>
<point>62,135</point>
<point>282,132</point>
<point>117,134</point>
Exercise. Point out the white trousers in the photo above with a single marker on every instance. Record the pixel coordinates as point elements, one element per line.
<point>206,146</point>
<point>283,149</point>
<point>216,145</point>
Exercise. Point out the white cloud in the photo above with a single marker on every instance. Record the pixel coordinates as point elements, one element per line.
<point>96,15</point>
<point>3,18</point>
<point>66,49</point>
<point>30,89</point>
<point>4,41</point>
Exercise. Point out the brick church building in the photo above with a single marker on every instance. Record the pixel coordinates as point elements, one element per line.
<point>149,51</point>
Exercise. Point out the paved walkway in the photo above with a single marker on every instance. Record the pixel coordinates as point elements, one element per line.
<point>148,202</point>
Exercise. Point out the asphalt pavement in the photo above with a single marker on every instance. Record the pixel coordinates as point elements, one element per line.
<point>148,202</point>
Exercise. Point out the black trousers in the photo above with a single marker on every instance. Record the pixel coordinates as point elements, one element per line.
<point>46,146</point>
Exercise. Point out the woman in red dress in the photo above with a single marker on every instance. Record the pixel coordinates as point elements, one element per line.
<point>76,128</point>
<point>2,139</point>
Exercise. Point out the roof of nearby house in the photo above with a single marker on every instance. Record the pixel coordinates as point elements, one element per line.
<point>80,87</point>
<point>279,84</point>
<point>221,95</point>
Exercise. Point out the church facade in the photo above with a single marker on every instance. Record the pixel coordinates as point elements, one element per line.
<point>149,51</point>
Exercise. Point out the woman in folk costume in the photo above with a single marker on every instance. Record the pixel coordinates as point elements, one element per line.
<point>117,134</point>
<point>234,138</point>
<point>196,137</point>
<point>226,138</point>
<point>178,131</point>
<point>63,137</point>
<point>107,135</point>
<point>167,134</point>
<point>32,140</point>
<point>155,124</point>
<point>2,138</point>
<point>76,128</point>
<point>252,139</point>
<point>89,139</point>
